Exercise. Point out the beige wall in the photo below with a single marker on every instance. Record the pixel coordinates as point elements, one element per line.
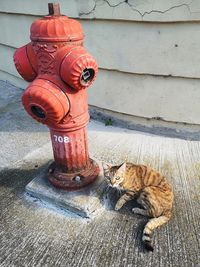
<point>148,54</point>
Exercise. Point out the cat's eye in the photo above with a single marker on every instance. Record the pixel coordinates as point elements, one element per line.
<point>117,178</point>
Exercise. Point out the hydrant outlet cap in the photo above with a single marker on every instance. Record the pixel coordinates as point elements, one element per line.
<point>45,102</point>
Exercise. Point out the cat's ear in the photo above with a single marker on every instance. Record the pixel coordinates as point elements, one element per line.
<point>106,166</point>
<point>122,167</point>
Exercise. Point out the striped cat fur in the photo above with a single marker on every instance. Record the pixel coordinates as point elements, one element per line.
<point>149,187</point>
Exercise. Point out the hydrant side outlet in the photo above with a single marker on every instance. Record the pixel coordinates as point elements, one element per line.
<point>26,62</point>
<point>60,71</point>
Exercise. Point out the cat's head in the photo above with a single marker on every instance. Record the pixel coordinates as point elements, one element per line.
<point>115,174</point>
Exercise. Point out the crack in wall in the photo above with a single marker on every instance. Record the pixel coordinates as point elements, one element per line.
<point>89,12</point>
<point>136,10</point>
<point>159,11</point>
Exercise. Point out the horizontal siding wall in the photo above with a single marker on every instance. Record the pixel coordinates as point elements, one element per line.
<point>148,56</point>
<point>171,99</point>
<point>133,47</point>
<point>131,10</point>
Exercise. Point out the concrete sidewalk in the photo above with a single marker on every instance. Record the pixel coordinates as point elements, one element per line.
<point>35,234</point>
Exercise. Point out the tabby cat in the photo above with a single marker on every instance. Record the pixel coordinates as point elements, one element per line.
<point>151,189</point>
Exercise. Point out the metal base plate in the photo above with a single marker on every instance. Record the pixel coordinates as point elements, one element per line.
<point>74,180</point>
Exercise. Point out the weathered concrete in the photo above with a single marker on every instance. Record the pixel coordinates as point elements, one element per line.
<point>153,126</point>
<point>19,134</point>
<point>34,234</point>
<point>85,202</point>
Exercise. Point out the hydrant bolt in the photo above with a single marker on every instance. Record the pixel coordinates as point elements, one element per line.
<point>77,178</point>
<point>60,71</point>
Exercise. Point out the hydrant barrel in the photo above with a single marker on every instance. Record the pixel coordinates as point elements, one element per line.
<point>60,71</point>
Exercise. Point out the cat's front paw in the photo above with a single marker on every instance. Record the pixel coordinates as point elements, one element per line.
<point>140,211</point>
<point>117,207</point>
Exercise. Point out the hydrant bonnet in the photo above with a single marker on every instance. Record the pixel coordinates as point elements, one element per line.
<point>56,29</point>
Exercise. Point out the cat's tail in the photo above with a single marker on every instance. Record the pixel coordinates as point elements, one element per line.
<point>149,228</point>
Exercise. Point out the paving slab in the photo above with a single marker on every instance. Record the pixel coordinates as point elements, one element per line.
<point>84,202</point>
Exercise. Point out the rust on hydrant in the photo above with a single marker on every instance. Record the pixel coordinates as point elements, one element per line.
<point>60,70</point>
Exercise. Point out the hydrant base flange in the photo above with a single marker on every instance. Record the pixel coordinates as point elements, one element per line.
<point>74,180</point>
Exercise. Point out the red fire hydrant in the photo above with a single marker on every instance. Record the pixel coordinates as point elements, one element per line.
<point>60,70</point>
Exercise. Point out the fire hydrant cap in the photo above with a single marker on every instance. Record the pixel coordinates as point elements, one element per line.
<point>56,29</point>
<point>26,62</point>
<point>76,67</point>
<point>45,102</point>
